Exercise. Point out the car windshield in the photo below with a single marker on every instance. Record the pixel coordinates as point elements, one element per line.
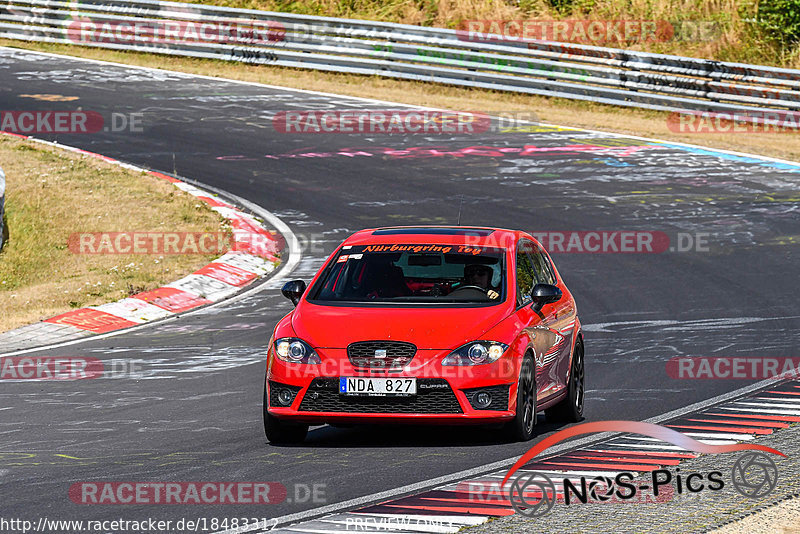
<point>414,274</point>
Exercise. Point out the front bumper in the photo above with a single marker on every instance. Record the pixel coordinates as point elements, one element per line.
<point>444,394</point>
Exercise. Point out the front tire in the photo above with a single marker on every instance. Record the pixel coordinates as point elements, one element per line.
<point>522,426</point>
<point>280,432</point>
<point>570,410</point>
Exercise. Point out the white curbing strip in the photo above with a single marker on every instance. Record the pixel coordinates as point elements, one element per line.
<point>219,280</point>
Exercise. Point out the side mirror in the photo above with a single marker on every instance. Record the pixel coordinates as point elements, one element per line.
<point>545,294</point>
<point>294,290</point>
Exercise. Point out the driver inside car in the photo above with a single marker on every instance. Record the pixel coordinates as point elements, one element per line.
<point>480,276</point>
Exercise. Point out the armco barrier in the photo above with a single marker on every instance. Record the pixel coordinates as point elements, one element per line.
<point>606,75</point>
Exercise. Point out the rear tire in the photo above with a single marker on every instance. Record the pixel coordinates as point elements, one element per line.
<point>280,432</point>
<point>570,410</point>
<point>522,426</point>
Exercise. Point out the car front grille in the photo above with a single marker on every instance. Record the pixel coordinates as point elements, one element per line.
<point>434,395</point>
<point>391,355</point>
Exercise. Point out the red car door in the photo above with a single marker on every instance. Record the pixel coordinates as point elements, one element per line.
<point>538,324</point>
<point>559,318</point>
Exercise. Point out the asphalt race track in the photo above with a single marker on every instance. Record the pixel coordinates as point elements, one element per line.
<point>194,414</point>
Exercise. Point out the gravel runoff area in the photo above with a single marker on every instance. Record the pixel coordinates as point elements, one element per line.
<point>724,511</point>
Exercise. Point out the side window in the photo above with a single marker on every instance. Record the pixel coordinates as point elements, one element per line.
<point>526,274</point>
<point>544,274</point>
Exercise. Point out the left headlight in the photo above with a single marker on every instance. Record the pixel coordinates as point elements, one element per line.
<point>293,350</point>
<point>476,353</point>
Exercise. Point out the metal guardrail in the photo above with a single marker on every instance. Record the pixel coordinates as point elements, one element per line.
<point>597,74</point>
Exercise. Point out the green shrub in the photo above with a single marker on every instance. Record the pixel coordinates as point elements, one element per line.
<point>780,19</point>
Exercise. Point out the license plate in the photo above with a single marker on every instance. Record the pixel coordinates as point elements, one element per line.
<point>377,387</point>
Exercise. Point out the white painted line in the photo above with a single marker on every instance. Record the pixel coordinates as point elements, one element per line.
<point>653,448</point>
<point>715,435</point>
<point>781,403</point>
<point>706,441</point>
<point>743,407</point>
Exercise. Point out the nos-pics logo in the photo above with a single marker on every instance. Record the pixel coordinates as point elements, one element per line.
<point>533,494</point>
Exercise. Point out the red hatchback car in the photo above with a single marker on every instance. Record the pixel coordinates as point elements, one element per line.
<point>442,325</point>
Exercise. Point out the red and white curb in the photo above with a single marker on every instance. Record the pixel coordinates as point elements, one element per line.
<point>474,500</point>
<point>255,253</point>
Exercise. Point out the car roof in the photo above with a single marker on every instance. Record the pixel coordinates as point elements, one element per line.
<point>455,235</point>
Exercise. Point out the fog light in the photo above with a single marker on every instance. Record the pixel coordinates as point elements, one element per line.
<point>285,397</point>
<point>482,400</point>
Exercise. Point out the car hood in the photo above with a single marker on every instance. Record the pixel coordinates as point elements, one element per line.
<point>336,327</point>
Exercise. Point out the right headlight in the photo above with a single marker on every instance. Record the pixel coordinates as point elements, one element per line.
<point>476,353</point>
<point>294,350</point>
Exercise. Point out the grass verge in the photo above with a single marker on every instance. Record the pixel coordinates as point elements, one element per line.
<point>51,194</point>
<point>563,112</point>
